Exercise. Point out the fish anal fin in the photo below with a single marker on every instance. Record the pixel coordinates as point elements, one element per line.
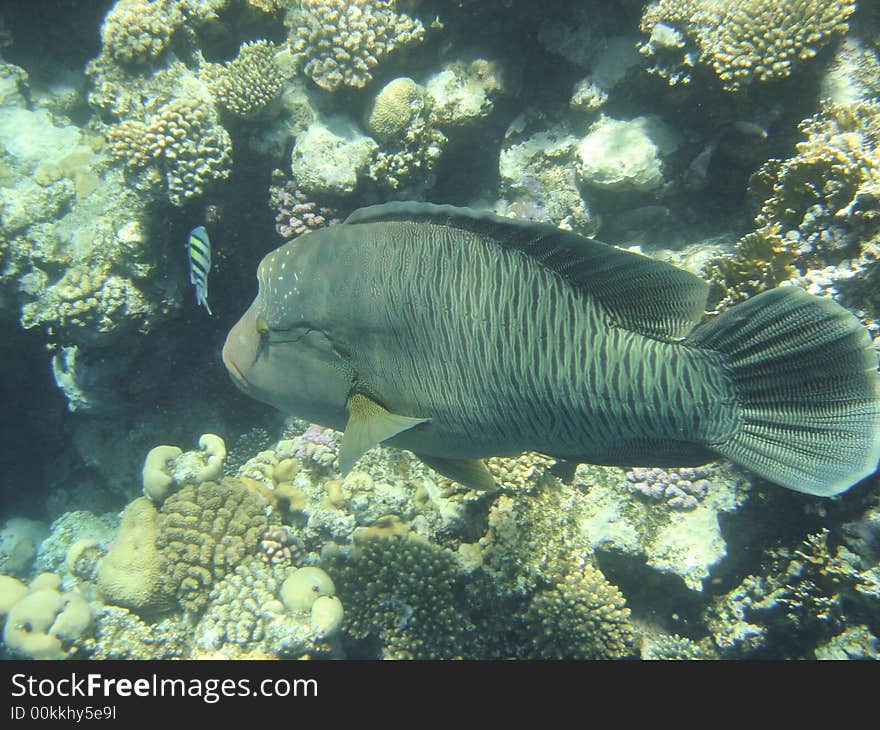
<point>471,473</point>
<point>369,424</point>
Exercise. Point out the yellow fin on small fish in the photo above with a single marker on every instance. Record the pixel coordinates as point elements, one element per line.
<point>369,424</point>
<point>472,473</point>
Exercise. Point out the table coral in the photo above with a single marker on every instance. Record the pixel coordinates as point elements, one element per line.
<point>340,43</point>
<point>741,40</point>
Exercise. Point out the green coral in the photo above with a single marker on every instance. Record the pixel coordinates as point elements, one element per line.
<point>183,141</point>
<point>582,616</point>
<point>248,83</point>
<point>204,532</point>
<point>400,591</point>
<point>340,43</point>
<point>743,41</point>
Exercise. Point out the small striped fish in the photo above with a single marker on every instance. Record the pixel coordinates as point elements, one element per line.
<point>198,247</point>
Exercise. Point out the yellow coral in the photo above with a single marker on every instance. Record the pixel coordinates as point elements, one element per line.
<point>250,82</point>
<point>394,108</point>
<point>131,574</point>
<point>137,31</point>
<point>742,40</point>
<point>339,43</point>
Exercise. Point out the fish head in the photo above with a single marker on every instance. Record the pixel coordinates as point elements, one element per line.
<point>279,351</point>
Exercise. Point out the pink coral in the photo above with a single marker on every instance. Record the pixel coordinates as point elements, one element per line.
<point>295,214</point>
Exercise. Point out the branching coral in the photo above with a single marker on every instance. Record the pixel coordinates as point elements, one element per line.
<point>399,590</point>
<point>183,139</point>
<point>742,40</point>
<point>296,213</point>
<point>248,83</point>
<point>340,43</point>
<point>583,616</point>
<point>818,208</point>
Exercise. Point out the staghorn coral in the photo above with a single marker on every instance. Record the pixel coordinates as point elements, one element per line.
<point>399,590</point>
<point>204,532</point>
<point>183,140</point>
<point>247,84</point>
<point>582,616</point>
<point>340,43</point>
<point>138,31</point>
<point>743,41</point>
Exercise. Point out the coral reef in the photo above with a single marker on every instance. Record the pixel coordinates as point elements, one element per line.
<point>801,599</point>
<point>583,616</point>
<point>743,42</point>
<point>248,614</point>
<point>340,43</point>
<point>250,82</point>
<point>182,142</point>
<point>676,488</point>
<point>295,213</point>
<point>818,208</point>
<point>42,620</point>
<point>400,591</point>
<point>203,532</point>
<point>137,31</point>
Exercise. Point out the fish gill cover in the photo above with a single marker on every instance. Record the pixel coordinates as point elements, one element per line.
<point>168,515</point>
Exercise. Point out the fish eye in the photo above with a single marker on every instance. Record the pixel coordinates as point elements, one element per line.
<point>262,326</point>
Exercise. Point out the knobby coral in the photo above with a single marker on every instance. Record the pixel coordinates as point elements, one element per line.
<point>340,43</point>
<point>743,41</point>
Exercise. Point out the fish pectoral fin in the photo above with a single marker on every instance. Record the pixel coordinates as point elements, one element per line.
<point>369,424</point>
<point>472,473</point>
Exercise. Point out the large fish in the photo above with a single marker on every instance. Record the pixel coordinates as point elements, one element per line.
<point>460,335</point>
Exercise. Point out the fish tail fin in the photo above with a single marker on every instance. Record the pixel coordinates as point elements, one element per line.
<point>805,374</point>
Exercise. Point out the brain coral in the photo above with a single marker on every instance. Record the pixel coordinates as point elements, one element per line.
<point>205,531</point>
<point>183,139</point>
<point>137,31</point>
<point>582,617</point>
<point>341,42</point>
<point>249,82</point>
<point>741,40</point>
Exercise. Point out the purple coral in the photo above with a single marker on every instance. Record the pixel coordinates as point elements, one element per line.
<point>680,489</point>
<point>295,213</point>
<point>317,445</point>
<point>280,545</point>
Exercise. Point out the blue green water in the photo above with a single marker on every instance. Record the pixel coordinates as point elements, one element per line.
<point>726,141</point>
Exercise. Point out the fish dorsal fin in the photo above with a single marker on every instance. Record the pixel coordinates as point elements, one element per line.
<point>640,293</point>
<point>369,424</point>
